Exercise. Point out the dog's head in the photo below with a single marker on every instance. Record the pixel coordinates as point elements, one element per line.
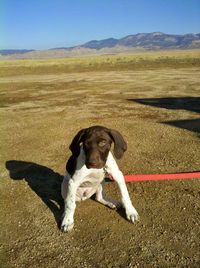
<point>96,143</point>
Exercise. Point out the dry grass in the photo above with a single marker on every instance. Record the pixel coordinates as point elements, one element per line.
<point>155,106</point>
<point>102,63</point>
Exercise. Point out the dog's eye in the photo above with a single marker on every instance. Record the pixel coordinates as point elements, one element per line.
<point>102,143</point>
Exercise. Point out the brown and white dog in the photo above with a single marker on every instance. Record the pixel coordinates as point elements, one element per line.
<point>90,162</point>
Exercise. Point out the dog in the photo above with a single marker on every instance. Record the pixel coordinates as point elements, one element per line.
<point>91,161</point>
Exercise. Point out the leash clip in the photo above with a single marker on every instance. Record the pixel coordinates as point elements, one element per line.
<point>105,170</point>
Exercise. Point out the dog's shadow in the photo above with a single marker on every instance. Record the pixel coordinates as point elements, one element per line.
<point>43,181</point>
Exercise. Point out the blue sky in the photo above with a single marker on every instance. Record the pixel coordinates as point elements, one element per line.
<point>42,24</point>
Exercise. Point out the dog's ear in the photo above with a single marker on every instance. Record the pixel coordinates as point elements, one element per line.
<point>120,145</point>
<point>75,144</point>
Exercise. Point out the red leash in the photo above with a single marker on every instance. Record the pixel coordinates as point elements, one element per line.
<point>160,177</point>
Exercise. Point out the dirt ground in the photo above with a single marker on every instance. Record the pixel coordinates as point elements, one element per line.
<point>157,111</point>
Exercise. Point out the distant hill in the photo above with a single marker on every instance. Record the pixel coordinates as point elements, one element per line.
<point>5,52</point>
<point>130,43</point>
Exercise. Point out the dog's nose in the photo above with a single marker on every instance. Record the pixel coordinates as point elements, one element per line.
<point>92,163</point>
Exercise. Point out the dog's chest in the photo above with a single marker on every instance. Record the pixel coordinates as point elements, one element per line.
<point>89,185</point>
<point>93,179</point>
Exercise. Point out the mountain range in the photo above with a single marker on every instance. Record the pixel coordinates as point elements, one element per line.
<point>130,43</point>
<point>150,41</point>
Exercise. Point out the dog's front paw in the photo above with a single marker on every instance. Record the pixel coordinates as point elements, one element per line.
<point>132,215</point>
<point>67,224</point>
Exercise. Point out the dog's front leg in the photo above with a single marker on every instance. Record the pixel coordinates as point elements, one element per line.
<point>117,175</point>
<point>131,212</point>
<point>70,205</point>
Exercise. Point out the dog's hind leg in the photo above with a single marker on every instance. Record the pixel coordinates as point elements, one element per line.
<point>100,197</point>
